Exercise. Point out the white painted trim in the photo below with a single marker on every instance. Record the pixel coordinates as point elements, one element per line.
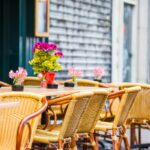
<point>117,40</point>
<point>134,45</point>
<point>133,2</point>
<point>114,74</point>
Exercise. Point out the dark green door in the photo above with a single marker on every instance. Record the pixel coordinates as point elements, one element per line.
<point>16,36</point>
<point>9,37</point>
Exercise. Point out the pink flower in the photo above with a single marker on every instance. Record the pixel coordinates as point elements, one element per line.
<point>11,74</point>
<point>40,76</point>
<point>74,73</point>
<point>98,72</point>
<point>18,76</point>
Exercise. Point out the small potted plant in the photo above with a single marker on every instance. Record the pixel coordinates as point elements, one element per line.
<point>74,74</point>
<point>98,73</point>
<point>45,61</point>
<point>18,78</point>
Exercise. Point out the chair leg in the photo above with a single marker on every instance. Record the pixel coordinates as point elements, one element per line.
<point>120,142</point>
<point>92,141</point>
<point>73,145</point>
<point>139,134</point>
<point>96,139</point>
<point>114,140</point>
<point>60,144</point>
<point>133,139</point>
<point>127,146</point>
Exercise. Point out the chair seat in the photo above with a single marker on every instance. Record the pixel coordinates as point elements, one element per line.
<point>103,126</point>
<point>9,147</point>
<point>109,117</point>
<point>45,136</point>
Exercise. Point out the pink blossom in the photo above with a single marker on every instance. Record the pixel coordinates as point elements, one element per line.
<point>40,76</point>
<point>11,74</point>
<point>18,76</point>
<point>98,72</point>
<point>73,72</point>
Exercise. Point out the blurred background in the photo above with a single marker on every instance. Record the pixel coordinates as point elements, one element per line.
<point>112,34</point>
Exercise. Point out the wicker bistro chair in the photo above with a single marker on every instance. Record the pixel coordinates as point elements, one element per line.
<point>140,112</point>
<point>86,82</point>
<point>64,132</point>
<point>119,125</point>
<point>91,115</point>
<point>18,124</point>
<point>30,80</point>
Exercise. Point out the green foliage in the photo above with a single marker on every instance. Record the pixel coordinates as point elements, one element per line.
<point>45,61</point>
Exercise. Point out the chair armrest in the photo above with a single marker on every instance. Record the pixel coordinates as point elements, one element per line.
<point>65,99</point>
<point>4,84</point>
<point>104,85</point>
<point>112,97</point>
<point>60,100</point>
<point>116,94</point>
<point>25,122</point>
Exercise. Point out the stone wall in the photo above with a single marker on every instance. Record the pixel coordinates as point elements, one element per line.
<point>82,29</point>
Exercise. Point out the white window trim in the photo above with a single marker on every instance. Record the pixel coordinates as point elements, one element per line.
<point>117,40</point>
<point>133,2</point>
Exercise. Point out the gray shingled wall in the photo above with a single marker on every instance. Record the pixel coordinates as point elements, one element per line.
<point>82,29</point>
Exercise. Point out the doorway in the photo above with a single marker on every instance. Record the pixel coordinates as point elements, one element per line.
<point>127,42</point>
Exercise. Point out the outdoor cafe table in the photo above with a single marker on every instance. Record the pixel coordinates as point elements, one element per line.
<point>51,93</point>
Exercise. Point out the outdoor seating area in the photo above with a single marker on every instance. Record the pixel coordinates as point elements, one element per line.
<point>75,75</point>
<point>32,116</point>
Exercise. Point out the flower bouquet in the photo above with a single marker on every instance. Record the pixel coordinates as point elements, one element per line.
<point>45,60</point>
<point>74,74</point>
<point>98,73</point>
<point>18,78</point>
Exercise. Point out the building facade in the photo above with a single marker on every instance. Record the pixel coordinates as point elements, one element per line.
<point>130,52</point>
<point>113,34</point>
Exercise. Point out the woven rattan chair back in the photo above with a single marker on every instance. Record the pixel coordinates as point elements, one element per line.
<point>140,109</point>
<point>10,118</point>
<point>92,112</point>
<point>125,106</point>
<point>32,81</point>
<point>74,113</point>
<point>85,82</point>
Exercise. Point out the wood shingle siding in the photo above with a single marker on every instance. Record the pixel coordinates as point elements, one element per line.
<point>82,29</point>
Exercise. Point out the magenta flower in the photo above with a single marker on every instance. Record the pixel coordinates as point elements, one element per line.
<point>48,47</point>
<point>53,46</point>
<point>38,46</point>
<point>45,47</point>
<point>59,53</point>
<point>46,58</point>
